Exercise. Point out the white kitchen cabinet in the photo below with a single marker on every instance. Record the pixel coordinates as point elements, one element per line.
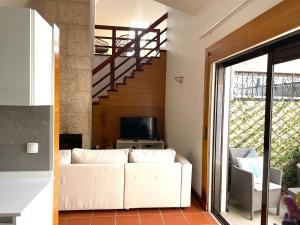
<point>26,58</point>
<point>26,198</point>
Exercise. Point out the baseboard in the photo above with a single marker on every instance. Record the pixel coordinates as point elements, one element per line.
<point>199,200</point>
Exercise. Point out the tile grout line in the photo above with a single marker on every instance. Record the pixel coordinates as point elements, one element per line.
<point>139,217</point>
<point>66,223</point>
<point>206,214</point>
<point>207,217</point>
<point>162,217</point>
<point>186,220</point>
<point>92,217</point>
<point>76,217</point>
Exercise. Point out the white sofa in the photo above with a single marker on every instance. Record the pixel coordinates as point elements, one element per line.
<point>123,179</point>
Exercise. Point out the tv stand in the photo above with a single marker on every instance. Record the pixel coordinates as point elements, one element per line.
<point>140,144</point>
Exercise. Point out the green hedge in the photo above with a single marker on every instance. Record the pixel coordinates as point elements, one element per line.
<point>247,130</point>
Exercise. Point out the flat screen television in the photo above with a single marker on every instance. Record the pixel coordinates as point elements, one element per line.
<point>138,127</point>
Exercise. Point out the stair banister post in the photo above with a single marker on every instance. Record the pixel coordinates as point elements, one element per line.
<point>137,51</point>
<point>112,64</point>
<point>158,40</point>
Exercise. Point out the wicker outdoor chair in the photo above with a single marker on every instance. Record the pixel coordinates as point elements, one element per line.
<point>242,188</point>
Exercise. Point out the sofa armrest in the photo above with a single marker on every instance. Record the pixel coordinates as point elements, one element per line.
<point>242,186</point>
<point>275,175</point>
<point>186,180</point>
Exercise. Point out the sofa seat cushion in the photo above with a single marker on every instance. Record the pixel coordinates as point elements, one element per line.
<point>64,157</point>
<point>152,156</point>
<point>85,156</point>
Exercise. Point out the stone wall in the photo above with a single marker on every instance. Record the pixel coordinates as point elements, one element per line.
<point>74,18</point>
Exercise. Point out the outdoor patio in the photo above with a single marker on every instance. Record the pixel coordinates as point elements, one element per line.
<point>239,216</point>
<point>246,127</point>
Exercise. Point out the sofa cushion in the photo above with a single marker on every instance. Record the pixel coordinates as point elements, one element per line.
<point>252,154</point>
<point>152,156</point>
<point>238,152</point>
<point>85,156</point>
<point>64,157</point>
<point>253,165</point>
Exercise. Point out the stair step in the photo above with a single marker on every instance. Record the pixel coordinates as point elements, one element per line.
<point>147,63</point>
<point>132,75</point>
<point>140,70</point>
<point>122,83</point>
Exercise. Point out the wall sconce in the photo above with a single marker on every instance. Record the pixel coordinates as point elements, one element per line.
<point>179,79</point>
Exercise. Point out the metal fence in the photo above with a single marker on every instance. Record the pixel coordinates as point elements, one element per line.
<point>252,85</point>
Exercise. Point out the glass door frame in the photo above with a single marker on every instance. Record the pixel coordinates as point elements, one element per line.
<point>280,50</point>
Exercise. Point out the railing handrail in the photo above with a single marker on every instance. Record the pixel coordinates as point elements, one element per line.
<point>108,27</point>
<point>119,38</point>
<point>129,44</point>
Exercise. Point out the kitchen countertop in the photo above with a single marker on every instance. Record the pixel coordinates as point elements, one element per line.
<point>18,189</point>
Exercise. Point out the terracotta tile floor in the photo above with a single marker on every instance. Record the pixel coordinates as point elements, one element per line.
<point>193,215</point>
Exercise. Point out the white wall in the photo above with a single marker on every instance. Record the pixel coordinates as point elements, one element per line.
<point>127,10</point>
<point>129,13</point>
<point>186,57</point>
<point>188,6</point>
<point>34,4</point>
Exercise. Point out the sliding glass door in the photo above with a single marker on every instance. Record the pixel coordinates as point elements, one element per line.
<point>285,132</point>
<point>240,123</point>
<point>256,132</point>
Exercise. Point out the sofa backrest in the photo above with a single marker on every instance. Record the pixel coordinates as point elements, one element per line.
<point>85,156</point>
<point>152,156</point>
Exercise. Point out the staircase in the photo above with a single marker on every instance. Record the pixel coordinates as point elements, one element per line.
<point>129,81</point>
<point>149,81</point>
<point>123,56</point>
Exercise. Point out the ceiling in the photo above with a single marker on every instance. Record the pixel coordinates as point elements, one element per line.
<point>128,11</point>
<point>188,6</point>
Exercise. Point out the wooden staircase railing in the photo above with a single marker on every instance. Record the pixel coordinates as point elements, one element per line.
<point>133,47</point>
